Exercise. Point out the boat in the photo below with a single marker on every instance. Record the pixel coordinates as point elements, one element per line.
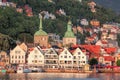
<point>27,70</point>
<point>36,69</point>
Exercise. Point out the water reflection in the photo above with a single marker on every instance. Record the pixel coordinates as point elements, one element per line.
<point>61,76</point>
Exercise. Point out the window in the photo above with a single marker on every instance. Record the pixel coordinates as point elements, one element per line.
<point>83,57</point>
<point>19,61</point>
<point>43,39</point>
<point>65,61</point>
<point>65,56</point>
<point>35,61</point>
<point>78,53</point>
<point>83,61</point>
<point>61,56</point>
<point>19,57</point>
<point>15,57</point>
<point>22,56</point>
<point>69,56</point>
<point>74,57</point>
<point>35,56</point>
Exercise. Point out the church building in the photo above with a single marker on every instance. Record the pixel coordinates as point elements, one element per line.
<point>41,37</point>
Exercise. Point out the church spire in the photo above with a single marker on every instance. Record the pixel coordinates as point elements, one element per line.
<point>69,26</point>
<point>40,27</point>
<point>69,32</point>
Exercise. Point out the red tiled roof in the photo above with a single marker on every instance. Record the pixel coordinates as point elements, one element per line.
<point>110,50</point>
<point>108,58</point>
<point>95,49</point>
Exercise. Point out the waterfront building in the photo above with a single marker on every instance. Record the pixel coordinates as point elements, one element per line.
<point>69,37</point>
<point>36,58</point>
<point>79,58</point>
<point>65,59</point>
<point>51,59</point>
<point>4,58</point>
<point>41,37</point>
<point>17,56</point>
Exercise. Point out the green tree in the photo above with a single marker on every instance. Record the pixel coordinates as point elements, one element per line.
<point>118,62</point>
<point>93,61</point>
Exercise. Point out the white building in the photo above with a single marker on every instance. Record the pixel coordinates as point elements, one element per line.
<point>65,59</point>
<point>36,58</point>
<point>79,58</point>
<point>17,55</point>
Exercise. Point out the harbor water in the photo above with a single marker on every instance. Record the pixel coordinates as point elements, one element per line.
<point>60,76</point>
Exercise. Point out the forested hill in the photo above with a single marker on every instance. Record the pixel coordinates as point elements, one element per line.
<point>21,27</point>
<point>113,4</point>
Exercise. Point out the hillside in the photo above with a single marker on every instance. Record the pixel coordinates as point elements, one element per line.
<point>113,4</point>
<point>21,27</point>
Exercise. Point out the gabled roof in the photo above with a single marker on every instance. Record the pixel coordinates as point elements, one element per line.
<point>52,49</point>
<point>65,49</point>
<point>36,48</point>
<point>23,46</point>
<point>18,48</point>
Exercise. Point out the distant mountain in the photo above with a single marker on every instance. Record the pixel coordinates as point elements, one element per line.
<point>113,4</point>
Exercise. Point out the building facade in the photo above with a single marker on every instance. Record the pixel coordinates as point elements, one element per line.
<point>17,56</point>
<point>65,59</point>
<point>36,58</point>
<point>79,58</point>
<point>51,59</point>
